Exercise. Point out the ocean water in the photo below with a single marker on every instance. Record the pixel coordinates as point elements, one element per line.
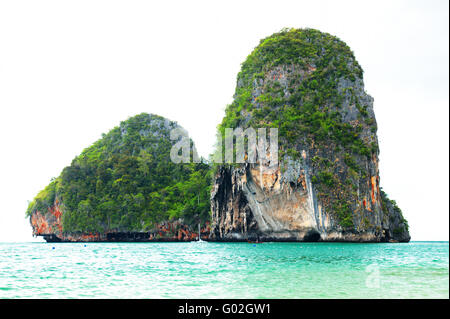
<point>224,270</point>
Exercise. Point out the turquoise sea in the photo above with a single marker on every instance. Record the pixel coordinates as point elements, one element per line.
<point>224,270</point>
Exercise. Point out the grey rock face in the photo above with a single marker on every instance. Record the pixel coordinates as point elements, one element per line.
<point>253,202</point>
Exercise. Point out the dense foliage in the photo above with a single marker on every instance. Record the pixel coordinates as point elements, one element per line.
<point>127,182</point>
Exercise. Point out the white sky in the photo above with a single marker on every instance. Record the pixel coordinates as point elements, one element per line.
<point>72,70</point>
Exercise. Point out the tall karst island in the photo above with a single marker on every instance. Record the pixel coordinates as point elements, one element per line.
<point>308,85</point>
<point>326,187</point>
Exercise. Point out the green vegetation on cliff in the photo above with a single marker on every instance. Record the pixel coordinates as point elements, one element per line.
<point>309,104</point>
<point>127,182</point>
<point>392,212</point>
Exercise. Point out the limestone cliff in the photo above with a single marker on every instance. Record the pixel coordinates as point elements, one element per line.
<point>327,187</point>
